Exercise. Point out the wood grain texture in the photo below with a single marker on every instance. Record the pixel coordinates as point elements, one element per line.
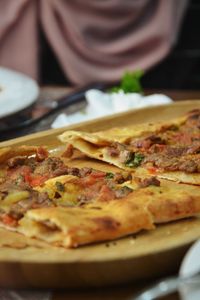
<point>142,256</point>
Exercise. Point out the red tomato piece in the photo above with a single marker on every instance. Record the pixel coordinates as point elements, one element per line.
<point>152,170</point>
<point>37,180</point>
<point>8,220</point>
<point>106,193</point>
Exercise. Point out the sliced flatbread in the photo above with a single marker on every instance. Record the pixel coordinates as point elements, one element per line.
<point>168,150</point>
<point>70,224</point>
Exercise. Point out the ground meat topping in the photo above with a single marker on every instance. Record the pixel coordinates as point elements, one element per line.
<point>147,142</point>
<point>190,166</point>
<point>134,160</point>
<point>122,192</point>
<point>175,151</point>
<point>115,149</point>
<point>49,167</point>
<point>149,181</point>
<point>193,149</point>
<point>112,151</point>
<point>176,163</point>
<point>79,172</point>
<point>125,155</point>
<point>52,166</point>
<point>35,200</point>
<point>15,161</point>
<point>122,177</point>
<point>19,208</point>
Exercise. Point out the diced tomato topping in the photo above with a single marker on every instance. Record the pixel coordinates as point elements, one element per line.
<point>87,181</point>
<point>106,193</point>
<point>8,220</point>
<point>26,172</point>
<point>37,180</point>
<point>31,179</point>
<point>92,179</point>
<point>98,174</point>
<point>34,180</point>
<point>21,170</point>
<point>152,170</point>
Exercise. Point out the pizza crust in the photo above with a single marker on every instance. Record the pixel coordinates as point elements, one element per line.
<point>80,226</point>
<point>117,134</point>
<point>179,176</point>
<point>9,152</point>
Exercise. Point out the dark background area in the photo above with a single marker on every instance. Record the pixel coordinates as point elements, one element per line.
<point>179,70</point>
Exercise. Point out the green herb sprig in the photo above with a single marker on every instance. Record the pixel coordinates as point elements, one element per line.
<point>130,83</point>
<point>134,160</point>
<point>60,186</point>
<point>109,175</point>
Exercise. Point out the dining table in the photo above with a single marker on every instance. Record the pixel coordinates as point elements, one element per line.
<point>119,292</point>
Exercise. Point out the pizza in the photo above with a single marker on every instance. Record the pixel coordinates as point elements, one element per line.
<point>45,198</point>
<point>167,150</point>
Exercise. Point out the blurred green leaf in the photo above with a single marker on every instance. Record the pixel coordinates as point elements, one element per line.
<point>130,83</point>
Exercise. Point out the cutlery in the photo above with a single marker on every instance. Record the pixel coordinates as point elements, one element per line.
<point>20,124</point>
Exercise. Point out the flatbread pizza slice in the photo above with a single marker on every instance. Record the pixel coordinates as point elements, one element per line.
<point>121,134</point>
<point>165,200</point>
<point>72,210</point>
<point>67,227</point>
<point>29,166</point>
<point>171,150</point>
<point>93,206</point>
<point>144,208</point>
<point>22,191</point>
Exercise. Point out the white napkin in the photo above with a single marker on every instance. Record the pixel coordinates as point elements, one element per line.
<point>101,104</point>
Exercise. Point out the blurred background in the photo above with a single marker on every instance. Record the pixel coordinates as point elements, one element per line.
<point>60,38</point>
<point>179,70</point>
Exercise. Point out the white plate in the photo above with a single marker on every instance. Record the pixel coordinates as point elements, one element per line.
<point>17,91</point>
<point>190,266</point>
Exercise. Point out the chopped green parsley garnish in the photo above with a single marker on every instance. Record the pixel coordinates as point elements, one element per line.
<point>134,160</point>
<point>60,186</point>
<point>109,175</point>
<point>130,83</point>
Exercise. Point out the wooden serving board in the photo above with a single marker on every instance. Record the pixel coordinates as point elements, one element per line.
<point>23,263</point>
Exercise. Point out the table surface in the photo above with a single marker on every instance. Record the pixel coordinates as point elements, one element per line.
<point>119,292</point>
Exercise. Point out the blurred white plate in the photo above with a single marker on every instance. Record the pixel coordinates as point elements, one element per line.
<point>17,92</point>
<point>190,266</point>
